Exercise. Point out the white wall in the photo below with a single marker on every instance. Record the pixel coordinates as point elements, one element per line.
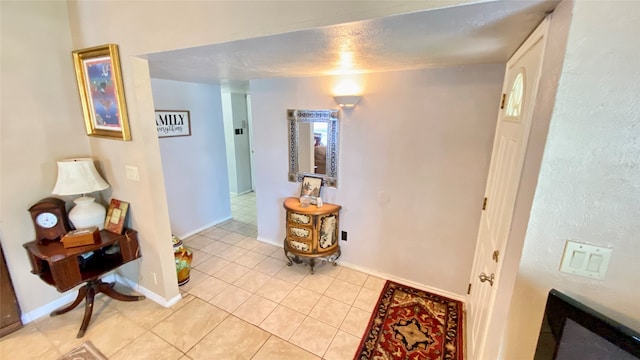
<point>589,184</point>
<point>413,162</point>
<point>41,123</point>
<point>195,167</point>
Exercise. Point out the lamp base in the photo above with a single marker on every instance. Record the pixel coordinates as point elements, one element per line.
<point>87,213</point>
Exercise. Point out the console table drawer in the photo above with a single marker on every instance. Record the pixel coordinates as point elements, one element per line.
<point>301,246</point>
<point>300,219</point>
<point>300,232</point>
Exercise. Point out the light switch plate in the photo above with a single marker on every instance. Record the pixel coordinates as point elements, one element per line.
<point>132,172</point>
<point>585,260</point>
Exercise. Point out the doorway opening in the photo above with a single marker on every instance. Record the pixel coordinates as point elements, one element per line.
<point>243,212</point>
<point>236,112</point>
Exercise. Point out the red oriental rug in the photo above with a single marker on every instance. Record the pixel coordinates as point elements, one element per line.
<point>413,324</point>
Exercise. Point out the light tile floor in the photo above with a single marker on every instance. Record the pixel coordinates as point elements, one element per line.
<point>242,302</point>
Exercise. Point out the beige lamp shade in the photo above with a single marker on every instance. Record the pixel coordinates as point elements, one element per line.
<point>79,176</point>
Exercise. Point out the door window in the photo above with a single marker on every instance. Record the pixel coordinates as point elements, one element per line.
<point>514,105</point>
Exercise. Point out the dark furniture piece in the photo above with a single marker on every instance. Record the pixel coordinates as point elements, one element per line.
<point>572,330</point>
<point>9,309</point>
<point>67,268</point>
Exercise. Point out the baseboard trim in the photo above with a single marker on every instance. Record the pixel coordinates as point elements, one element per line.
<point>148,293</point>
<point>382,275</point>
<point>213,223</point>
<point>270,242</point>
<point>69,296</point>
<point>400,280</point>
<point>50,307</point>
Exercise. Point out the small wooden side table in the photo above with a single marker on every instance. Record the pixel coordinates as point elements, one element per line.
<point>312,233</point>
<point>67,268</point>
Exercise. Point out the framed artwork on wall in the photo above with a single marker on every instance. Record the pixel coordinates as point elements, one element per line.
<point>101,92</point>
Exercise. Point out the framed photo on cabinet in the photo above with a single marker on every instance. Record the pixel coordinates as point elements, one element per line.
<point>101,92</point>
<point>311,186</point>
<point>116,216</point>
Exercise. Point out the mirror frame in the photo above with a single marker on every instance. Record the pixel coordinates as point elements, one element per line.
<point>330,116</point>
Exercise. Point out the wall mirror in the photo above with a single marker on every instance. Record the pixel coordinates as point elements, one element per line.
<point>313,145</point>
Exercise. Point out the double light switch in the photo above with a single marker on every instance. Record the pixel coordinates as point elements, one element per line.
<point>585,260</point>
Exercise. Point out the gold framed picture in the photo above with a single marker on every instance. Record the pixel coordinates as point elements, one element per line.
<point>116,216</point>
<point>101,92</point>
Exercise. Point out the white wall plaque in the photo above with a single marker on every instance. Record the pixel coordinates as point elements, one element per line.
<point>172,123</point>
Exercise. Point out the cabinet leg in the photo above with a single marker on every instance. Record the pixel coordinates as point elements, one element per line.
<point>82,293</point>
<point>312,263</point>
<point>286,254</point>
<point>88,310</point>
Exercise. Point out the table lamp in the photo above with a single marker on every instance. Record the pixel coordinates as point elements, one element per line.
<point>79,176</point>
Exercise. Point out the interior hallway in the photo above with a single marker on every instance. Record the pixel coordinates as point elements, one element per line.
<point>243,209</point>
<point>242,302</point>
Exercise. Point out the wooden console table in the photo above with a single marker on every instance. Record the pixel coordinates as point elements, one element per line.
<point>67,268</point>
<point>312,233</point>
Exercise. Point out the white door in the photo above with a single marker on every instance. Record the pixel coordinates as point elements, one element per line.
<point>509,146</point>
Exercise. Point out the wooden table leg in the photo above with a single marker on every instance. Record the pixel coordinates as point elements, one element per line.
<point>108,290</point>
<point>88,311</point>
<point>82,292</point>
<point>88,293</point>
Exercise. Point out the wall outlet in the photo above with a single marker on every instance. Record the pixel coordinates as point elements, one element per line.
<point>344,235</point>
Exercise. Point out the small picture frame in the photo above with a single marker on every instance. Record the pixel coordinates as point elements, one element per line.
<point>311,186</point>
<point>116,216</point>
<point>101,92</point>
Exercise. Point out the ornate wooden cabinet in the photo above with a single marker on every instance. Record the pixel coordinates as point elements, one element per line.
<point>312,233</point>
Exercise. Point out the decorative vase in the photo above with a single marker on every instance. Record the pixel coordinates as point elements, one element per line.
<point>183,257</point>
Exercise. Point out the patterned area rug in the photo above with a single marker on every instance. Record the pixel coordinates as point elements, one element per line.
<point>86,351</point>
<point>413,324</point>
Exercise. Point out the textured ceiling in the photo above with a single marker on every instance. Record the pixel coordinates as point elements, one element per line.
<point>487,32</point>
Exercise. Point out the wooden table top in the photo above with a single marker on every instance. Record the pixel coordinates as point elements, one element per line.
<point>293,204</point>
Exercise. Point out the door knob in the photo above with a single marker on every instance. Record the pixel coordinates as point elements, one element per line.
<point>483,277</point>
